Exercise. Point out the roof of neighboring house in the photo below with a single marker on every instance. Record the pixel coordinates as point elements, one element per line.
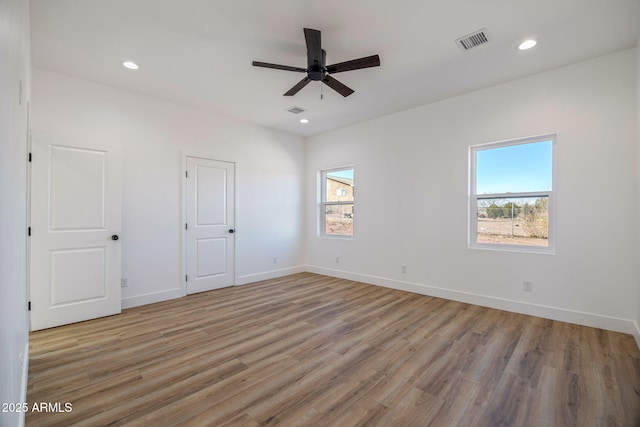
<point>346,181</point>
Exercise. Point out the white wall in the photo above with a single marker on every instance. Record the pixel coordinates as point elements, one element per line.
<point>14,68</point>
<point>155,135</point>
<point>411,172</point>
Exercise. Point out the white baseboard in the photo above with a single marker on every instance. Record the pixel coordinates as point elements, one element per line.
<point>151,298</point>
<point>266,275</point>
<point>636,333</point>
<point>138,300</point>
<point>24,381</point>
<point>555,313</point>
<point>626,326</point>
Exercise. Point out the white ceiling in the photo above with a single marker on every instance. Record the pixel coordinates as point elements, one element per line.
<point>199,52</point>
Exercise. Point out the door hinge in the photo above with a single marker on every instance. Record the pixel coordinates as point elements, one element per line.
<point>186,226</point>
<point>186,174</point>
<point>29,157</point>
<point>186,277</point>
<point>28,231</point>
<point>29,306</point>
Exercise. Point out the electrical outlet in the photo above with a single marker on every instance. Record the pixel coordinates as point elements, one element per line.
<point>275,259</point>
<point>337,260</point>
<point>124,282</point>
<point>403,268</point>
<point>527,286</point>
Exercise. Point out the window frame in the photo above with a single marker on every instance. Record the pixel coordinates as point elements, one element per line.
<point>473,197</point>
<point>323,203</point>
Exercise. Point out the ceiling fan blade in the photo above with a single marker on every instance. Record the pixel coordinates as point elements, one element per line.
<point>337,86</point>
<point>302,83</point>
<point>314,48</point>
<point>278,67</point>
<point>355,64</point>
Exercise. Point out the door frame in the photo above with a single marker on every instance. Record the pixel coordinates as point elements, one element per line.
<point>183,217</point>
<point>28,232</point>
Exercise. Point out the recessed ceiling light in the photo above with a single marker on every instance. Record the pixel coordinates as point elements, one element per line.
<point>130,65</point>
<point>527,44</point>
<point>304,120</point>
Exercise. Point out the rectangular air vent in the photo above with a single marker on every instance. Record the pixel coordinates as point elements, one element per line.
<point>296,110</point>
<point>472,40</point>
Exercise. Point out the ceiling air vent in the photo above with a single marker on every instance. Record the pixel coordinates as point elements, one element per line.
<point>472,40</point>
<point>296,110</point>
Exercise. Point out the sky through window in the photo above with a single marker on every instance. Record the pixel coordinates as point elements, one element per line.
<point>514,169</point>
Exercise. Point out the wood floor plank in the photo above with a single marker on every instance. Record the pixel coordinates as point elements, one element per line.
<point>311,350</point>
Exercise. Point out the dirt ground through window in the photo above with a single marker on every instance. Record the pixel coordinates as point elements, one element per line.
<point>499,231</point>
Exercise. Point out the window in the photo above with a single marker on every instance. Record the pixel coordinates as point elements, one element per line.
<point>511,201</point>
<point>336,211</point>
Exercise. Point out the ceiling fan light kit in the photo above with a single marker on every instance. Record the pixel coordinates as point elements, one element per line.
<point>317,70</point>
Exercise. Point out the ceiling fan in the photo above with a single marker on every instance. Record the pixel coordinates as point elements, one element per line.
<point>317,70</point>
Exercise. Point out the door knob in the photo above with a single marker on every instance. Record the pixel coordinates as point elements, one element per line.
<point>115,237</point>
<point>231,230</point>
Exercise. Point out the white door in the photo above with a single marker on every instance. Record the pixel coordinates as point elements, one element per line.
<point>210,224</point>
<point>75,222</point>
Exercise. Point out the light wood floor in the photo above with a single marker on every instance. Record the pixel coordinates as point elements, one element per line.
<point>310,350</point>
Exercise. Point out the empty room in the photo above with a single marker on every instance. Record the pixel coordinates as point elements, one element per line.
<point>292,213</point>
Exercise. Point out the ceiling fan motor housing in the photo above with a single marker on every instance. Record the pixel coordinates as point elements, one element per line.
<point>315,74</point>
<point>316,71</point>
